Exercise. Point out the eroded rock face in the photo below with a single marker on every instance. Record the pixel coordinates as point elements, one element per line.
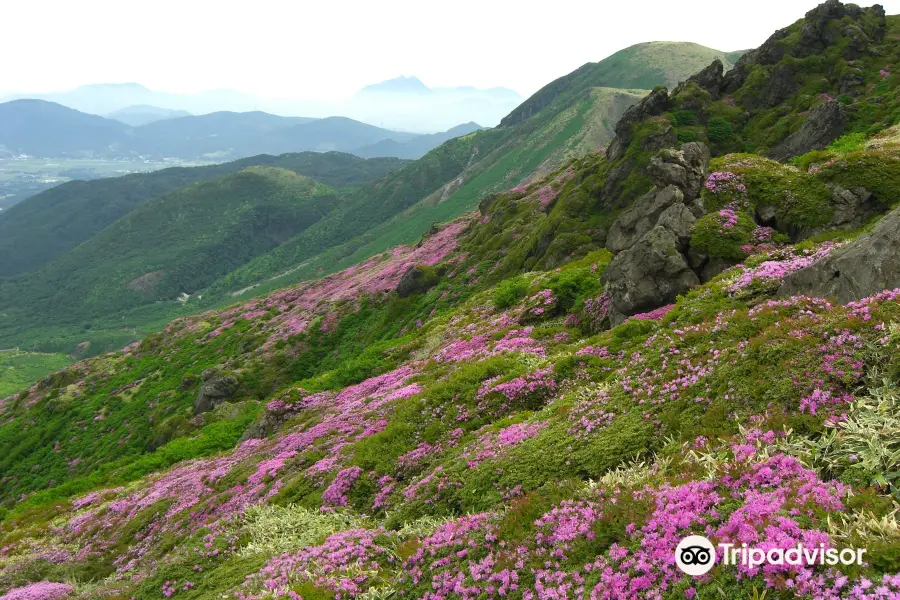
<point>641,217</point>
<point>217,388</point>
<point>684,168</point>
<point>651,238</point>
<point>648,275</point>
<point>710,78</point>
<point>824,124</point>
<point>862,268</point>
<point>852,208</point>
<point>653,104</point>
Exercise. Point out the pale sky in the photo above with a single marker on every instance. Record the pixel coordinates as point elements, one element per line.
<point>331,48</point>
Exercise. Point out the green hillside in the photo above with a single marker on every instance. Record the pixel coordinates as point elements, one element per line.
<point>642,66</point>
<point>447,182</point>
<point>43,227</point>
<point>465,416</point>
<point>586,106</point>
<point>170,245</point>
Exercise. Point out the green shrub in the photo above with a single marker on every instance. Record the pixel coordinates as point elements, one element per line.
<point>851,142</point>
<point>684,117</point>
<point>572,285</point>
<point>686,135</point>
<point>719,130</point>
<point>509,292</point>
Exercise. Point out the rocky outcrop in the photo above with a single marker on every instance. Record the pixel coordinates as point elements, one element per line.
<point>648,275</point>
<point>416,280</point>
<point>710,78</point>
<point>685,169</point>
<point>641,217</point>
<point>824,124</point>
<point>650,239</point>
<point>860,269</point>
<point>861,27</point>
<point>852,208</point>
<point>216,389</point>
<point>652,105</point>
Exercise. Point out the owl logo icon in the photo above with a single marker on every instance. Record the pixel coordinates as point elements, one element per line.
<point>695,555</point>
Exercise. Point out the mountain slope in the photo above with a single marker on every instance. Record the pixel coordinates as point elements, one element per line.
<point>329,134</point>
<point>45,129</point>
<point>480,430</point>
<point>416,147</point>
<point>44,226</point>
<point>642,66</point>
<point>173,244</point>
<point>222,133</point>
<point>445,183</point>
<point>463,418</point>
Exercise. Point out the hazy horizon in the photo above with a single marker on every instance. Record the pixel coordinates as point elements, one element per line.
<point>329,51</point>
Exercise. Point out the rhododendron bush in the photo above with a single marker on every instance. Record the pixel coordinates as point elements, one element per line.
<point>465,443</point>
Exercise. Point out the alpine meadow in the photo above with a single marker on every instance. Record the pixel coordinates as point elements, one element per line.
<point>659,298</point>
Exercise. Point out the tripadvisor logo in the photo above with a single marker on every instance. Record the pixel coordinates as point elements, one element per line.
<point>695,555</point>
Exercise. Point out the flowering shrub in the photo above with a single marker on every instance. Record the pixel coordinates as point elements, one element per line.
<point>336,494</point>
<point>492,444</point>
<point>654,315</point>
<point>43,590</point>
<point>595,316</point>
<point>723,234</point>
<point>539,306</point>
<point>528,391</point>
<point>727,187</point>
<point>344,564</point>
<point>774,271</point>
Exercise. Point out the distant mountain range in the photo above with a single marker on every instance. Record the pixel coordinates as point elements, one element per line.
<point>402,103</point>
<point>142,114</point>
<point>46,129</point>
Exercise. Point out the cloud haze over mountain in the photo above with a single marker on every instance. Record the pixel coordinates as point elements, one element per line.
<point>403,103</point>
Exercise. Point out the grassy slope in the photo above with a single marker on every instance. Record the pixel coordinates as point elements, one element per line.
<point>169,245</point>
<point>616,395</point>
<point>49,224</point>
<point>580,116</point>
<point>445,183</point>
<point>18,370</point>
<point>499,390</point>
<point>502,158</point>
<point>642,66</point>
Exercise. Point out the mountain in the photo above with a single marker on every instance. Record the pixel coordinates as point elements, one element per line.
<point>448,181</point>
<point>218,134</point>
<point>45,226</point>
<point>642,66</point>
<point>473,414</point>
<point>403,103</point>
<point>407,103</point>
<point>178,242</point>
<point>141,114</point>
<point>416,147</point>
<point>330,134</point>
<point>398,85</point>
<point>46,129</point>
<point>106,98</point>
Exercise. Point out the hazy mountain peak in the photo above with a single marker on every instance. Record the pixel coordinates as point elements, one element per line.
<point>399,85</point>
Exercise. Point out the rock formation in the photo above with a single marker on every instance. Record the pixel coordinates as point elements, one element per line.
<point>650,239</point>
<point>860,269</point>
